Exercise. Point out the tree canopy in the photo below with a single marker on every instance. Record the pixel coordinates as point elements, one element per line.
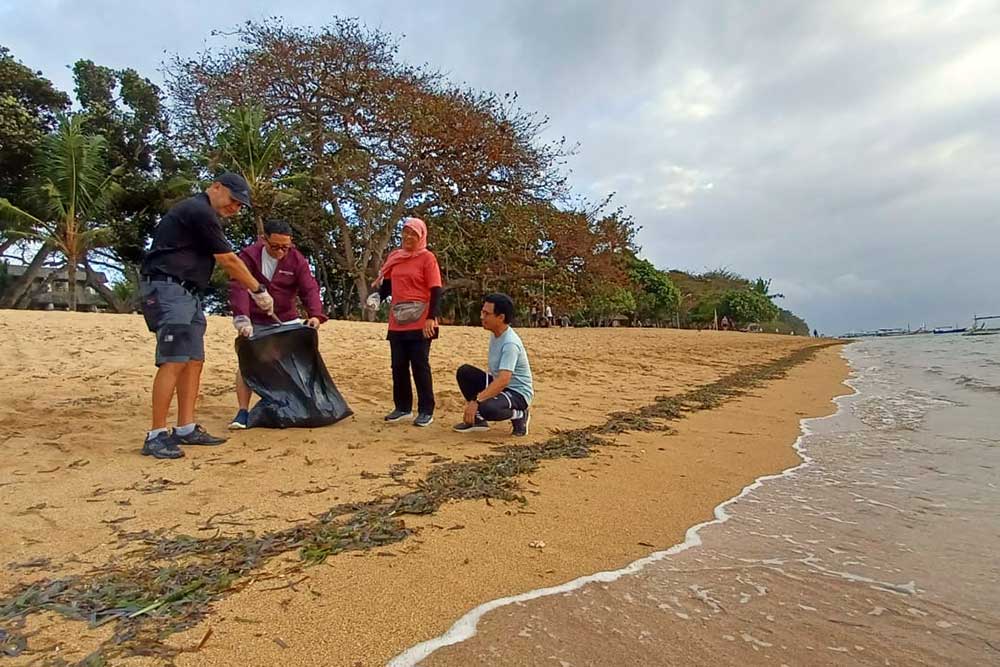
<point>339,136</point>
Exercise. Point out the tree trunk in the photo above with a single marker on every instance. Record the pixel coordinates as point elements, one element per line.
<point>345,297</point>
<point>22,284</point>
<point>116,304</point>
<point>361,284</point>
<point>71,279</point>
<point>258,220</point>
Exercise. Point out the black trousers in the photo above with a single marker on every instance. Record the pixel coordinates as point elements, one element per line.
<point>472,380</point>
<point>412,353</point>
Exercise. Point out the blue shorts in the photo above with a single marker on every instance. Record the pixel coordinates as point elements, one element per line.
<point>177,318</point>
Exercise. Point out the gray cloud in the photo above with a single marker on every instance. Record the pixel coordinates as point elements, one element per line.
<point>848,150</point>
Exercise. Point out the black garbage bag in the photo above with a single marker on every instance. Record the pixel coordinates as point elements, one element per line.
<point>283,366</point>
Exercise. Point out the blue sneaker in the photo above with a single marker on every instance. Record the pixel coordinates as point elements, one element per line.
<point>239,421</point>
<point>163,446</point>
<point>423,419</point>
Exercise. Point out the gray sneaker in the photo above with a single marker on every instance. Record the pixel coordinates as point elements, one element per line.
<point>521,425</point>
<point>398,415</point>
<point>163,446</point>
<point>199,436</point>
<point>478,425</point>
<point>423,419</point>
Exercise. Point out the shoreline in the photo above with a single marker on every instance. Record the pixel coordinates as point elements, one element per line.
<point>467,627</point>
<point>366,608</point>
<point>877,551</point>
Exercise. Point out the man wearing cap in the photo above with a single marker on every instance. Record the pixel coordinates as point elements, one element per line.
<point>187,243</point>
<point>275,261</point>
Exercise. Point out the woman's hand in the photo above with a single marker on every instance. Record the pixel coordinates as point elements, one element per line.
<point>430,327</point>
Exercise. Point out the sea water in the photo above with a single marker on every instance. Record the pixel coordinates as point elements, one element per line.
<point>881,548</point>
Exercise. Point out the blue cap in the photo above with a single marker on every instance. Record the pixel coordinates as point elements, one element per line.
<point>237,185</point>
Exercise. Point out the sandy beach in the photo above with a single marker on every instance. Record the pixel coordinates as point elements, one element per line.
<point>75,492</point>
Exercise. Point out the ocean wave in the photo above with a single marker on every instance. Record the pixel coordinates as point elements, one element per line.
<point>976,384</point>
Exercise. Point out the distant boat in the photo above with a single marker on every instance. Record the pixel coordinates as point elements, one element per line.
<point>979,327</point>
<point>948,330</point>
<point>890,332</point>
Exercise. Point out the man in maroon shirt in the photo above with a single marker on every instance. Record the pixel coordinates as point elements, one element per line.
<point>277,264</point>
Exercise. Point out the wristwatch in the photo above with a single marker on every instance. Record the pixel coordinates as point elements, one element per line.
<point>260,289</point>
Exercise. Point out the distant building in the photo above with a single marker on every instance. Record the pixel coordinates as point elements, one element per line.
<point>50,290</point>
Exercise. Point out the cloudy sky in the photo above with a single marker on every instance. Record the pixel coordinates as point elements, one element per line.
<point>848,150</point>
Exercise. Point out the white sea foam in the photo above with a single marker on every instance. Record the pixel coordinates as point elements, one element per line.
<point>465,627</point>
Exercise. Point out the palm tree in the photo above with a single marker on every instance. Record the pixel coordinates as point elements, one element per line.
<point>763,287</point>
<point>72,188</point>
<point>255,149</point>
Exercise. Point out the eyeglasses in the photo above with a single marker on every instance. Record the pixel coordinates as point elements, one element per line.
<point>276,247</point>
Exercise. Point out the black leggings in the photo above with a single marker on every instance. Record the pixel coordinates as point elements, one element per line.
<point>472,380</point>
<point>412,353</point>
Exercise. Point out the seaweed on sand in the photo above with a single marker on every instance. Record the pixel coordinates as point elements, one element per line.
<point>168,583</point>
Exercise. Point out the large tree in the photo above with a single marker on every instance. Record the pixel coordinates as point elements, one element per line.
<point>377,138</point>
<point>656,296</point>
<point>71,191</point>
<point>28,107</point>
<point>746,306</point>
<point>127,110</point>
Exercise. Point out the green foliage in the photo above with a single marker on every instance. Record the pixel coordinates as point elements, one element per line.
<point>258,150</point>
<point>703,311</point>
<point>786,322</point>
<point>28,107</point>
<point>763,287</point>
<point>656,296</point>
<point>607,304</point>
<point>126,291</point>
<point>126,109</point>
<point>72,190</point>
<point>746,306</point>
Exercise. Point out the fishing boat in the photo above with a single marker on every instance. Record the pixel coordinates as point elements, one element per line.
<point>949,330</point>
<point>980,326</point>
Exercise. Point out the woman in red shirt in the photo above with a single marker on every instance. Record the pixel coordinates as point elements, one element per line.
<point>412,277</point>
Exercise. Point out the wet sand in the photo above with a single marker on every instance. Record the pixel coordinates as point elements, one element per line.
<point>76,393</point>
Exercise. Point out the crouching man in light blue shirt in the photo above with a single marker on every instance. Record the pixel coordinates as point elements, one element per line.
<point>505,391</point>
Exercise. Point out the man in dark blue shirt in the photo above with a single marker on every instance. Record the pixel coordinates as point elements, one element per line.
<point>187,243</point>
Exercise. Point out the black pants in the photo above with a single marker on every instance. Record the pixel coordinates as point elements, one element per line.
<point>472,380</point>
<point>412,353</point>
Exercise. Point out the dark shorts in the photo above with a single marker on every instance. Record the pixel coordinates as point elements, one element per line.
<point>177,318</point>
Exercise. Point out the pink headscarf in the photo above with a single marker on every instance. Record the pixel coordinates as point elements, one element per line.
<point>399,255</point>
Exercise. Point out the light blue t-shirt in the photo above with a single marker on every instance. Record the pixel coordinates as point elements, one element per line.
<point>507,354</point>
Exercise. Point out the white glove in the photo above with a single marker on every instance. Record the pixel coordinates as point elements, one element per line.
<point>374,300</point>
<point>264,302</point>
<point>243,325</point>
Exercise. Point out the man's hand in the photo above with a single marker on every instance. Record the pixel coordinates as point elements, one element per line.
<point>263,301</point>
<point>243,326</point>
<point>470,412</point>
<point>430,326</point>
<point>313,323</point>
